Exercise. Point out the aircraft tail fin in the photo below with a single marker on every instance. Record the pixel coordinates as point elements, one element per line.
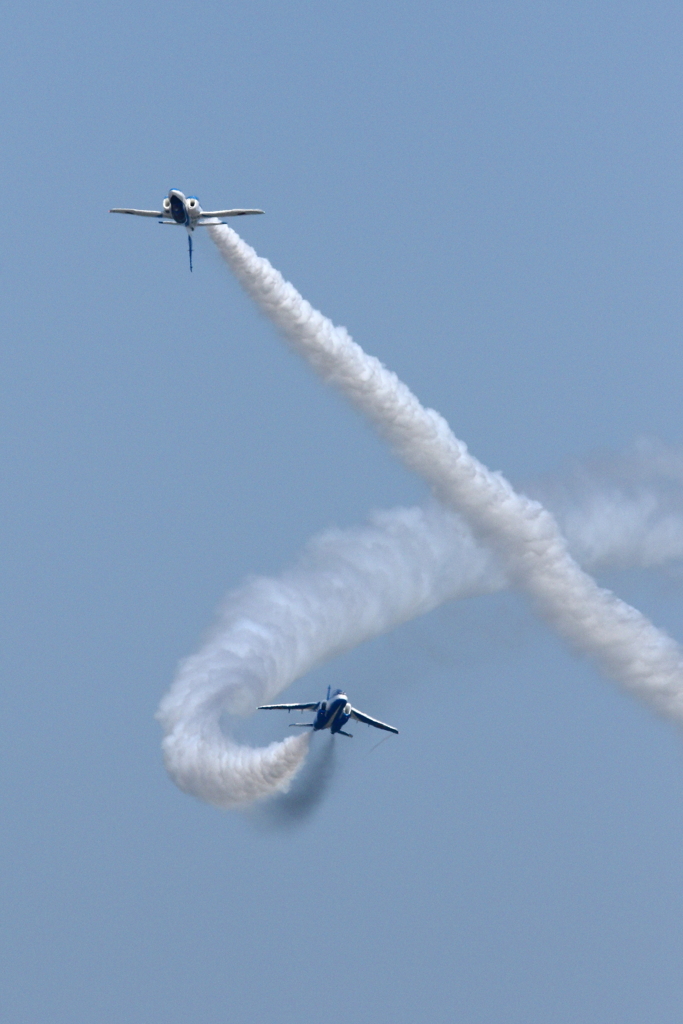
<point>189,242</point>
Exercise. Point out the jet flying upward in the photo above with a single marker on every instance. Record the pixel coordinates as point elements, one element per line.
<point>185,211</point>
<point>332,713</point>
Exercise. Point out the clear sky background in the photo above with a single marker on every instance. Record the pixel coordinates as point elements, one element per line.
<point>488,195</point>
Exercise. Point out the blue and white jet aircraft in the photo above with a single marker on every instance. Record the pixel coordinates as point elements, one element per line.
<point>185,211</point>
<point>332,714</point>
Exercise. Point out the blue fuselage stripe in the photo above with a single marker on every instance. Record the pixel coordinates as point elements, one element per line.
<point>332,717</point>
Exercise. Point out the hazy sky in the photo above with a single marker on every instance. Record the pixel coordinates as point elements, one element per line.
<point>488,195</point>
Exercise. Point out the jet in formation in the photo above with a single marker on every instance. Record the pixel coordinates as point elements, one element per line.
<point>332,713</point>
<point>185,211</point>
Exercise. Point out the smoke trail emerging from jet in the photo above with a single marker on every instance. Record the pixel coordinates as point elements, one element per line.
<point>351,585</point>
<point>623,642</point>
<point>348,586</point>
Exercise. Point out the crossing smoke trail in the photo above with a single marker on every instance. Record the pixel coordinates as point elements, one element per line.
<point>351,585</point>
<point>251,658</point>
<point>625,644</point>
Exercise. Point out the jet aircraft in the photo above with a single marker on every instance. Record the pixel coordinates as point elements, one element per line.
<point>332,713</point>
<point>185,211</point>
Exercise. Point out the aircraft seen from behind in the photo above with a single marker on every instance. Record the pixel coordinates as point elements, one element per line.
<point>185,211</point>
<point>331,714</point>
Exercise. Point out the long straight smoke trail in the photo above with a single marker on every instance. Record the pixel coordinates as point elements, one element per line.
<point>624,643</point>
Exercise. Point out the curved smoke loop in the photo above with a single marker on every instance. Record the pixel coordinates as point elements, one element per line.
<point>478,536</point>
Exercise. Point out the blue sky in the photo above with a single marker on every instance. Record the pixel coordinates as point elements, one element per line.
<point>488,197</point>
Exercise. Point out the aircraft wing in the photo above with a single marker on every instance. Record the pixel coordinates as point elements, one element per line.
<point>290,707</point>
<point>141,213</point>
<point>360,717</point>
<point>224,213</point>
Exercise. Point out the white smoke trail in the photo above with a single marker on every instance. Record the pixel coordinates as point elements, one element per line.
<point>623,642</point>
<point>349,586</point>
<point>621,511</point>
<point>275,630</point>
